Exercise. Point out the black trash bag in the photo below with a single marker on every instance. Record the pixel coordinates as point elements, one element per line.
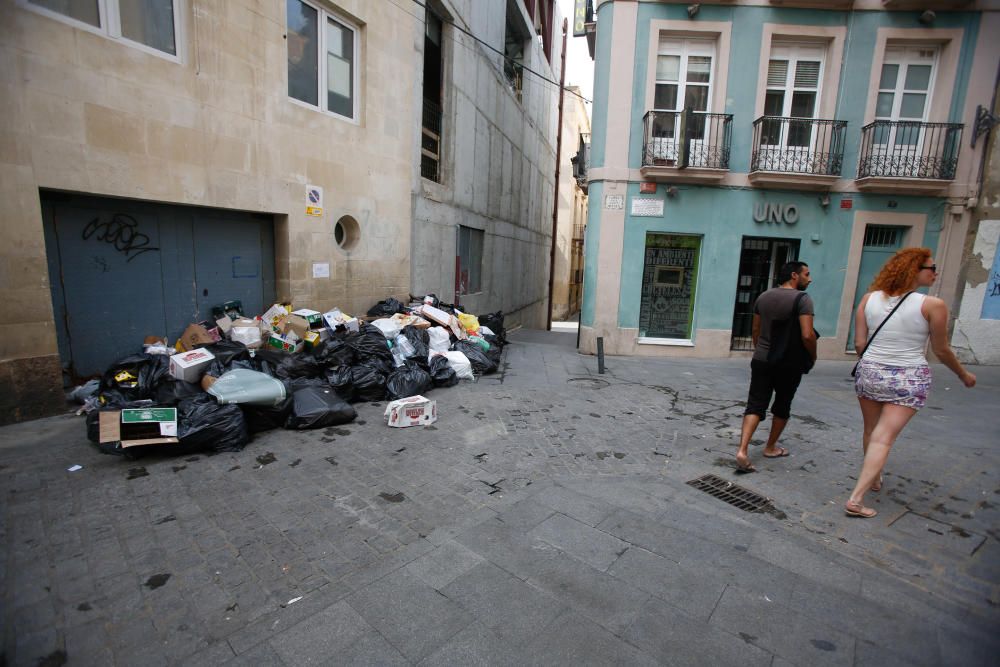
<point>226,351</point>
<point>135,377</point>
<point>316,407</point>
<point>371,347</point>
<point>481,363</point>
<point>494,322</point>
<point>442,373</point>
<point>369,383</point>
<point>408,380</point>
<point>341,380</point>
<point>270,355</point>
<point>203,424</point>
<point>386,308</point>
<point>266,417</point>
<point>419,339</point>
<point>299,366</point>
<point>334,352</point>
<point>294,384</point>
<point>495,353</point>
<point>171,392</point>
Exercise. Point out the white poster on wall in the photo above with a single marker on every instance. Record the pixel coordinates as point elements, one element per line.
<point>614,202</point>
<point>647,207</point>
<point>321,270</point>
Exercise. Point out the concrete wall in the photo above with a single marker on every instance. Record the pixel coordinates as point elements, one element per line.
<point>572,200</point>
<point>85,113</point>
<point>498,170</point>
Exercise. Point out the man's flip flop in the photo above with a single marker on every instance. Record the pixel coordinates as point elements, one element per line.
<point>781,452</point>
<point>859,510</point>
<point>744,469</point>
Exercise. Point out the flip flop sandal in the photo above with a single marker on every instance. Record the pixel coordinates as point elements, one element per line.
<point>744,470</point>
<point>781,452</point>
<point>860,511</point>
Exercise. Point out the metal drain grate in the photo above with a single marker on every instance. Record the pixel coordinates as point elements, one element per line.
<point>731,493</point>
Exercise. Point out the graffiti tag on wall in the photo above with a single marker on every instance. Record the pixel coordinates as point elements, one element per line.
<point>121,231</point>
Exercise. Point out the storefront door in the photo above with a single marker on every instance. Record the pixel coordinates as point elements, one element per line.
<point>881,243</point>
<point>760,260</point>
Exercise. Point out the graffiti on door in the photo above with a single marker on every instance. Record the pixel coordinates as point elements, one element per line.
<point>122,232</point>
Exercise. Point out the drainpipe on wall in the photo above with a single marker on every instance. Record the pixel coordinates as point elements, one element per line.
<point>555,199</point>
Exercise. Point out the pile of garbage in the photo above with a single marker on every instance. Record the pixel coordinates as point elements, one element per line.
<point>223,381</point>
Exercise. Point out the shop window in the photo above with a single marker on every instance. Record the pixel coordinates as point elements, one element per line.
<point>150,25</point>
<point>669,285</point>
<point>470,260</point>
<point>322,59</point>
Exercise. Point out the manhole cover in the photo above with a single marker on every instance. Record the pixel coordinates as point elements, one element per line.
<point>588,383</point>
<point>731,493</point>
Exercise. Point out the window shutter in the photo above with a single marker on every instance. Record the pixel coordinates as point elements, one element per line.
<point>807,74</point>
<point>777,73</point>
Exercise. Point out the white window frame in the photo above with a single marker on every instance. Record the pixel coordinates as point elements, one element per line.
<point>903,61</point>
<point>110,26</point>
<point>321,80</point>
<point>683,48</point>
<point>793,53</point>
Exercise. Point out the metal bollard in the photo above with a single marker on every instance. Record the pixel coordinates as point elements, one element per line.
<point>600,355</point>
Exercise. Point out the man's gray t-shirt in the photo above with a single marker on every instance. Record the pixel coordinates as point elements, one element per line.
<point>776,304</point>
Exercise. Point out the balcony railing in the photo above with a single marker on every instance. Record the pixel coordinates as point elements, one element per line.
<point>798,145</point>
<point>910,149</point>
<point>686,139</point>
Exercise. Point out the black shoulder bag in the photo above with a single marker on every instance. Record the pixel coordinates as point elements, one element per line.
<point>786,341</point>
<point>854,371</point>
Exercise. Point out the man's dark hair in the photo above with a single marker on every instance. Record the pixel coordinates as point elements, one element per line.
<point>787,269</point>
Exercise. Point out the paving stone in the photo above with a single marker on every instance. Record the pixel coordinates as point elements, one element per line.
<point>411,615</point>
<point>588,510</point>
<point>594,547</point>
<point>475,645</point>
<point>604,599</point>
<point>666,633</point>
<point>779,630</point>
<point>514,610</point>
<point>824,568</point>
<point>693,592</point>
<point>573,639</point>
<point>443,565</point>
<point>508,548</point>
<point>320,638</point>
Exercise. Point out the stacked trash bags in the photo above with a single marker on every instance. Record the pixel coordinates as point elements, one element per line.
<point>244,391</point>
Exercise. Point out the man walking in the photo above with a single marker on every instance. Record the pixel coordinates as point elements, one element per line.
<point>784,348</point>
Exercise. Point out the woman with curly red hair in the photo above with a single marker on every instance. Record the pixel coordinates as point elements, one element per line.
<point>893,377</point>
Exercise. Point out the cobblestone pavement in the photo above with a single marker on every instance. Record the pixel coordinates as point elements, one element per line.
<point>544,519</point>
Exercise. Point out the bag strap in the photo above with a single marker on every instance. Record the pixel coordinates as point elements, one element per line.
<point>879,328</point>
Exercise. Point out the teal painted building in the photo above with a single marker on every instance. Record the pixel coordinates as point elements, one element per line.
<point>730,137</point>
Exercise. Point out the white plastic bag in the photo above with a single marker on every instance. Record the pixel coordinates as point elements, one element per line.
<point>485,331</point>
<point>458,361</point>
<point>439,340</point>
<point>389,327</point>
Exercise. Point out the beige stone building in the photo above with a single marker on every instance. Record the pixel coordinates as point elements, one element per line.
<point>160,159</point>
<point>567,283</point>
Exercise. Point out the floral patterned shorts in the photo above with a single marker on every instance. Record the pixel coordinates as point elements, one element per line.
<point>901,385</point>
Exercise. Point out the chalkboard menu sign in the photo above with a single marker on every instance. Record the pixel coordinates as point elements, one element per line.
<point>669,277</point>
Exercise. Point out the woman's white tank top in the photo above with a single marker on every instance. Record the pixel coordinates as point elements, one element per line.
<point>902,340</point>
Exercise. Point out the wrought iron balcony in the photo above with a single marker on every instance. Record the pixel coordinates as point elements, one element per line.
<point>798,146</point>
<point>686,139</point>
<point>909,150</point>
<point>430,141</point>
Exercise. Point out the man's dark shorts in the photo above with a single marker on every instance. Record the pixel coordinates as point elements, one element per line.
<point>766,379</point>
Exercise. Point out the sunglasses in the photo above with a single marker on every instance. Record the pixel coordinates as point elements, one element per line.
<point>932,267</point>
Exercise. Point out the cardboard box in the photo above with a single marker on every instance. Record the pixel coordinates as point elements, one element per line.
<point>225,324</point>
<point>190,366</point>
<point>410,320</point>
<point>194,336</point>
<point>313,317</point>
<point>285,343</point>
<point>142,426</point>
<point>298,324</point>
<point>411,411</point>
<point>444,319</point>
<point>314,338</point>
<point>275,317</point>
<point>337,320</point>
